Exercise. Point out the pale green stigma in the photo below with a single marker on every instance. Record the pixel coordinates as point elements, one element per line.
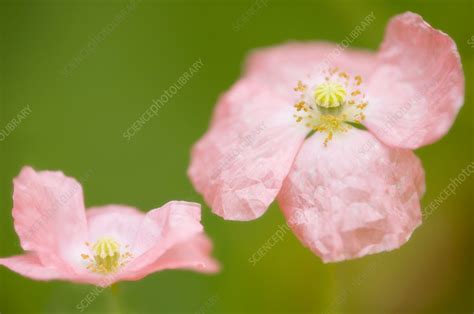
<point>330,95</point>
<point>106,255</point>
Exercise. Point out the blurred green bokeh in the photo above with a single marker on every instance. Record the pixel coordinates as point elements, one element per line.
<point>77,122</point>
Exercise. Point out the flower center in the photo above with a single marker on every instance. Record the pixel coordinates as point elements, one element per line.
<point>107,257</point>
<point>329,95</point>
<point>329,102</point>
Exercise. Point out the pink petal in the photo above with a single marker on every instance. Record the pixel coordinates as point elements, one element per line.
<point>292,61</point>
<point>119,222</point>
<point>418,85</point>
<point>354,197</point>
<point>163,228</point>
<point>240,163</point>
<point>49,216</point>
<point>29,265</point>
<point>194,254</point>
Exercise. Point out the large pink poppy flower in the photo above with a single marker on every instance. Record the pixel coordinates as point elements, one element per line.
<point>102,245</point>
<point>345,191</point>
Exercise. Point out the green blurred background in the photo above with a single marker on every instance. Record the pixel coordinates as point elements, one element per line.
<point>77,122</point>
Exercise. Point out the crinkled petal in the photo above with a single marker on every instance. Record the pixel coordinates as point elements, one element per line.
<point>49,215</point>
<point>240,163</point>
<point>194,254</point>
<point>163,228</point>
<point>287,63</point>
<point>354,197</point>
<point>29,265</point>
<point>418,85</point>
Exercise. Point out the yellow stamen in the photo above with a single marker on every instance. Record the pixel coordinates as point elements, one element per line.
<point>344,75</point>
<point>362,106</point>
<point>355,93</point>
<point>300,87</point>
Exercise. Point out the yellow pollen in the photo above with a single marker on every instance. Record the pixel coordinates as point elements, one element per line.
<point>330,95</point>
<point>300,87</point>
<point>355,93</point>
<point>362,106</point>
<point>344,75</point>
<point>301,106</point>
<point>330,124</point>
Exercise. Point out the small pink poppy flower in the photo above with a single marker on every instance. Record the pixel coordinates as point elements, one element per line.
<point>102,245</point>
<point>346,192</point>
